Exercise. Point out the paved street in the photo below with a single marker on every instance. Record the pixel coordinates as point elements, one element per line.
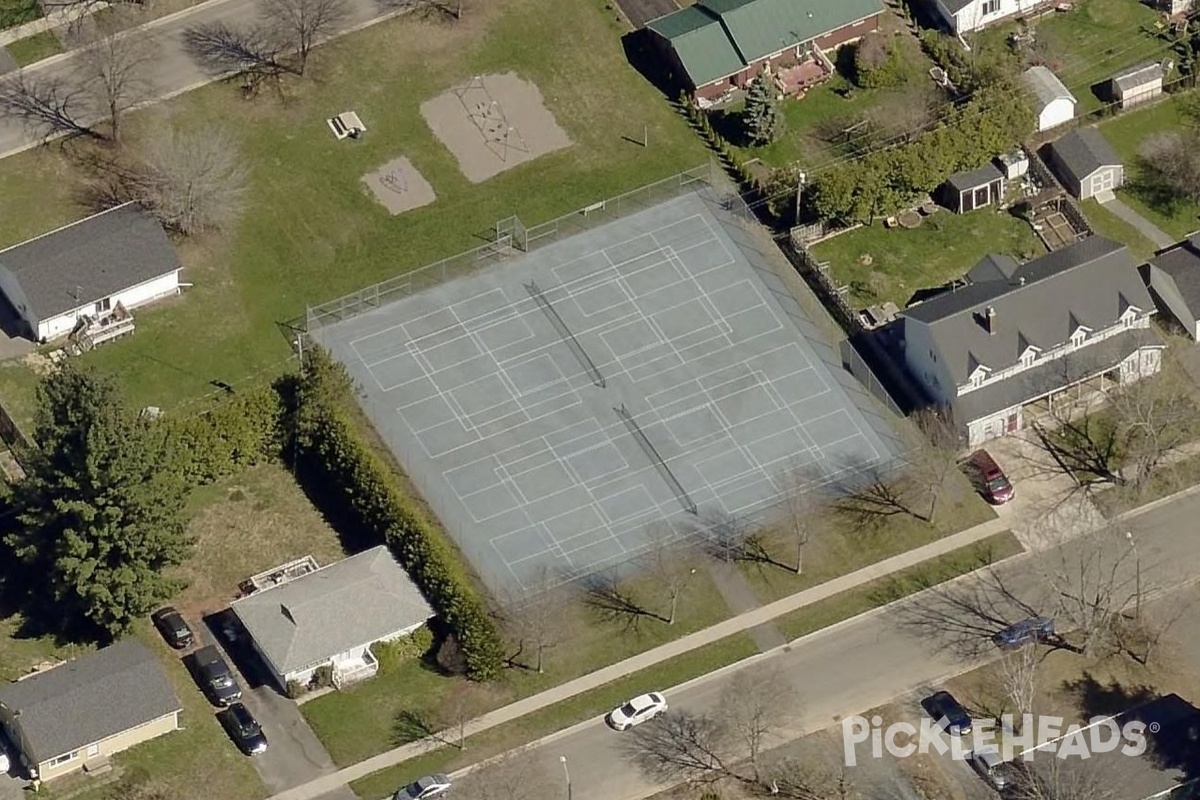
<point>864,662</point>
<point>174,70</point>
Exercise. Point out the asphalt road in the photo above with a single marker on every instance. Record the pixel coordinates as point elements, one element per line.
<point>867,661</point>
<point>175,72</point>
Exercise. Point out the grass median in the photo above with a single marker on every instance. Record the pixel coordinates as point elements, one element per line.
<point>683,668</point>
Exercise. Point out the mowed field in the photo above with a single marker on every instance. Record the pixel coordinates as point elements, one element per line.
<point>310,231</point>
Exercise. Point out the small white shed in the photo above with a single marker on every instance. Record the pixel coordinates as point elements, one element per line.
<point>1138,84</point>
<point>1053,103</point>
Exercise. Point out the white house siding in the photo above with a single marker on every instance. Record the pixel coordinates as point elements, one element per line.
<point>1058,112</point>
<point>973,18</point>
<point>355,654</point>
<point>1141,94</point>
<point>923,364</point>
<point>134,296</point>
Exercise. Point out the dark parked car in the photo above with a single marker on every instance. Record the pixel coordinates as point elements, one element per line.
<point>1027,631</point>
<point>174,629</point>
<point>244,729</point>
<point>215,676</point>
<point>948,713</point>
<point>991,481</point>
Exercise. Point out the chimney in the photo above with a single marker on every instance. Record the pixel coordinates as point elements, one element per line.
<point>287,614</point>
<point>989,320</point>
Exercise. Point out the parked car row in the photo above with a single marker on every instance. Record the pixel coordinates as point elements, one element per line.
<point>216,680</point>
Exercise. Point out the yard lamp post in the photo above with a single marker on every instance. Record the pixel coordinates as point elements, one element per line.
<point>1137,576</point>
<point>563,760</point>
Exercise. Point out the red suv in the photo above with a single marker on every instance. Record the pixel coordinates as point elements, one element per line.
<point>993,484</point>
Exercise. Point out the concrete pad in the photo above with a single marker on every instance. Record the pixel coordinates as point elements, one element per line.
<point>399,186</point>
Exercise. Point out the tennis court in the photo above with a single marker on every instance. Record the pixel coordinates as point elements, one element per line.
<point>635,380</point>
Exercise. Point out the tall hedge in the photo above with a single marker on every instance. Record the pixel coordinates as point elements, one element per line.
<point>239,433</point>
<point>333,452</point>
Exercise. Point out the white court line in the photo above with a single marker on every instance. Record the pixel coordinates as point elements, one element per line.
<point>408,337</point>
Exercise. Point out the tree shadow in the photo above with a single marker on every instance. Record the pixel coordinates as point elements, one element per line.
<point>1097,699</point>
<point>604,595</point>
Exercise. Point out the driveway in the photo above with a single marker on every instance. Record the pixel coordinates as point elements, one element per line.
<point>295,755</point>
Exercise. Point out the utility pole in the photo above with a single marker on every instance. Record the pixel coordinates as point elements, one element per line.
<point>1137,576</point>
<point>567,773</point>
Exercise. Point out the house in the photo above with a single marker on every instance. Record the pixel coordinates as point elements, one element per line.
<point>1176,8</point>
<point>1053,104</point>
<point>965,16</point>
<point>92,269</point>
<point>1137,84</point>
<point>1085,163</point>
<point>1017,340</point>
<point>330,618</point>
<point>1173,276</point>
<point>718,45</point>
<point>967,191</point>
<point>79,713</point>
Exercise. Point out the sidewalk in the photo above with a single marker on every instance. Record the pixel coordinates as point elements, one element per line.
<point>55,19</point>
<point>738,624</point>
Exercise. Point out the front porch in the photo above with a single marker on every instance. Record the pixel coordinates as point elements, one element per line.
<point>354,667</point>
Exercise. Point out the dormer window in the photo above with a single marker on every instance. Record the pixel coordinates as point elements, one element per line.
<point>1129,315</point>
<point>1078,337</point>
<point>979,374</point>
<point>1029,356</point>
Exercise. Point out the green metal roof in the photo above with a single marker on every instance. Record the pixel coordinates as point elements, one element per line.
<point>716,38</point>
<point>761,27</point>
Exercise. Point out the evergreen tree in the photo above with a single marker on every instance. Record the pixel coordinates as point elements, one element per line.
<point>761,115</point>
<point>101,510</point>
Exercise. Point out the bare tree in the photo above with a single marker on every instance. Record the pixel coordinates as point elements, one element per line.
<point>444,723</point>
<point>903,114</point>
<point>304,23</point>
<point>806,779</point>
<point>117,69</point>
<point>672,568</point>
<point>517,775</point>
<point>933,458</point>
<point>803,501</point>
<point>1171,162</point>
<point>1093,582</point>
<point>50,106</point>
<point>193,180</point>
<point>754,704</point>
<point>1050,778</point>
<point>537,619</point>
<point>253,52</point>
<point>1018,676</point>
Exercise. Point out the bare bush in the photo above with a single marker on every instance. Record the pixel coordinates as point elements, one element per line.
<point>192,180</point>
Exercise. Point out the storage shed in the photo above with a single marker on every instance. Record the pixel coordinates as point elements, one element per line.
<point>1014,165</point>
<point>1053,103</point>
<point>1085,163</point>
<point>967,191</point>
<point>1138,84</point>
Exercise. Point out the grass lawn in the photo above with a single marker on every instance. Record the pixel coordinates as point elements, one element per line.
<point>34,48</point>
<point>1126,133</point>
<point>18,12</point>
<point>357,723</point>
<point>1108,224</point>
<point>310,233</point>
<point>880,264</point>
<point>835,548</point>
<point>247,524</point>
<point>533,726</point>
<point>843,606</point>
<point>1099,38</point>
<point>195,763</point>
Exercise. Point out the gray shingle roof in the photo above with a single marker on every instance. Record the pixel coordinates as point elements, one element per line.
<point>963,181</point>
<point>1038,381</point>
<point>347,604</point>
<point>1083,151</point>
<point>89,699</point>
<point>1046,86</point>
<point>955,6</point>
<point>1138,76</point>
<point>1182,263</point>
<point>90,259</point>
<point>1089,283</point>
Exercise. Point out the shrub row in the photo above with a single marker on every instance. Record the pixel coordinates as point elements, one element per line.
<point>336,458</point>
<point>223,441</point>
<point>730,158</point>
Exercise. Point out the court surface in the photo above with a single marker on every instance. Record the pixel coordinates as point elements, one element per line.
<point>561,409</point>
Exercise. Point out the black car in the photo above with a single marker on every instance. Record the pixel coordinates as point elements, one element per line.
<point>948,713</point>
<point>1027,631</point>
<point>174,629</point>
<point>215,677</point>
<point>244,729</point>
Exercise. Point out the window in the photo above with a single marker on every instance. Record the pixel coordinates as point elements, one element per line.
<point>54,762</point>
<point>933,356</point>
<point>1028,357</point>
<point>103,305</point>
<point>1078,336</point>
<point>990,7</point>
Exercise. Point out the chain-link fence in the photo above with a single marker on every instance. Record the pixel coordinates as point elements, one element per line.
<point>509,237</point>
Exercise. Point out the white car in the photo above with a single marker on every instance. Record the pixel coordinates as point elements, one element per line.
<point>636,711</point>
<point>424,788</point>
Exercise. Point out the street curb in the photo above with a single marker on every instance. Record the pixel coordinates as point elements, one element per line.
<point>1134,513</point>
